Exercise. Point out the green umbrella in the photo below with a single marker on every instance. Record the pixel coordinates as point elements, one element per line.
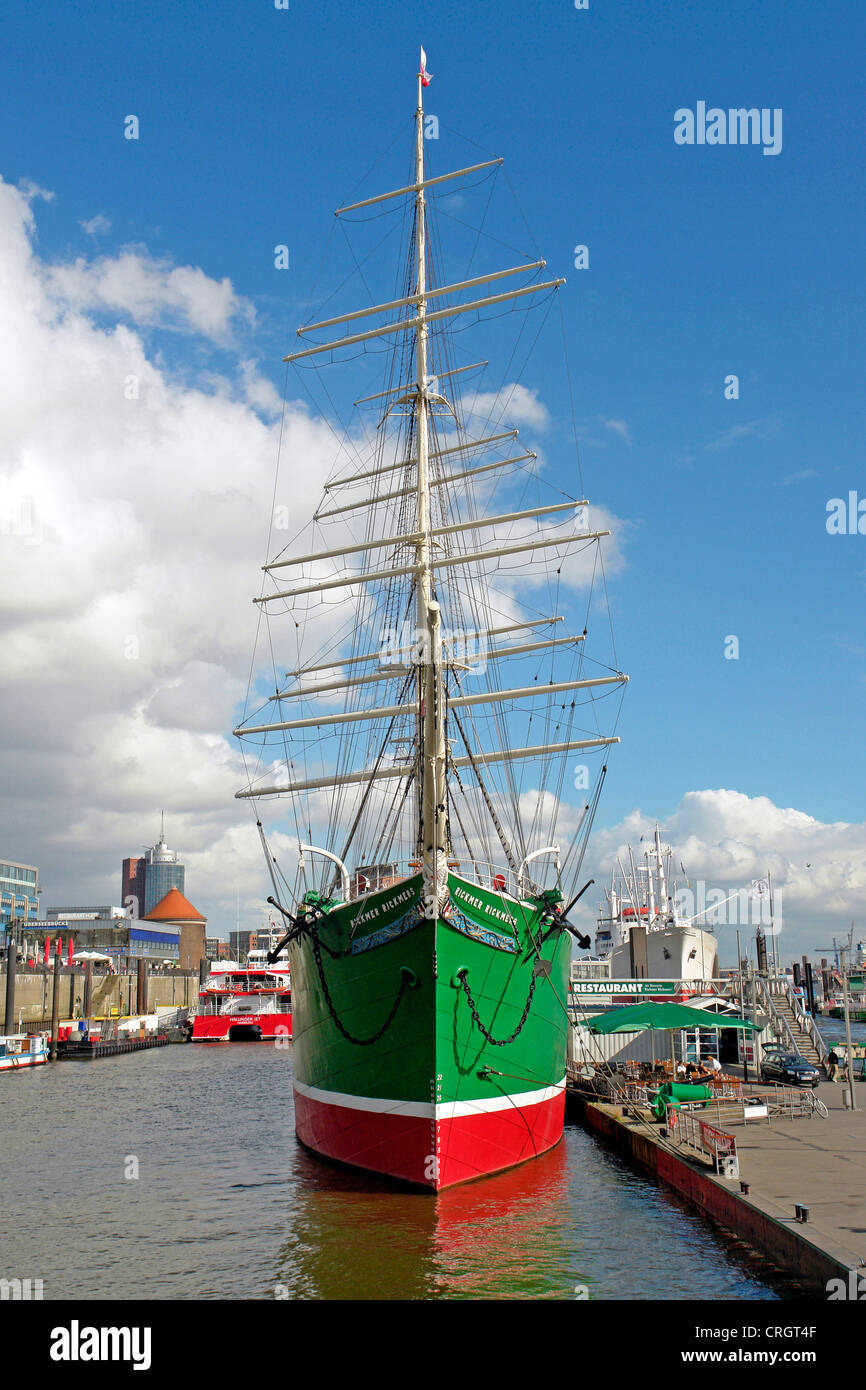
<point>667,1018</point>
<point>636,1018</point>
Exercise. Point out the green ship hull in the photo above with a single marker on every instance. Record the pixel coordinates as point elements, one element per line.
<point>430,1051</point>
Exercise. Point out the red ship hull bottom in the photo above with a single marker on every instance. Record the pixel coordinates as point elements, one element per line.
<point>244,1027</point>
<point>431,1148</point>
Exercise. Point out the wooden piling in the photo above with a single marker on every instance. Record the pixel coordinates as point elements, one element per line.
<point>141,987</point>
<point>55,1010</point>
<point>11,966</point>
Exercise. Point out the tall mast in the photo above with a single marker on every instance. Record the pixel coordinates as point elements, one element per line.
<point>660,871</point>
<point>433,826</point>
<point>417,550</point>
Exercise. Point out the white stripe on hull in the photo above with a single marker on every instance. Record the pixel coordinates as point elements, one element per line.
<point>426,1110</point>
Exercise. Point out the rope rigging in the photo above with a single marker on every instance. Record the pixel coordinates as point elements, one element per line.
<point>507,805</point>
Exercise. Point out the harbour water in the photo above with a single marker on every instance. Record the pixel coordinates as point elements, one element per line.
<point>832,1031</point>
<point>226,1205</point>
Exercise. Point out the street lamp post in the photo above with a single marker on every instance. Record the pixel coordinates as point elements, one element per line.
<point>841,954</point>
<point>847,1012</point>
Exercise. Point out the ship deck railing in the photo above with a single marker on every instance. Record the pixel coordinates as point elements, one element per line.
<point>495,878</point>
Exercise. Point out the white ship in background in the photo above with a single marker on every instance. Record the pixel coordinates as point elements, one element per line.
<point>640,931</point>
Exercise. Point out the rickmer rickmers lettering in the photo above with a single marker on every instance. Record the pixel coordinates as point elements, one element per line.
<point>430,981</point>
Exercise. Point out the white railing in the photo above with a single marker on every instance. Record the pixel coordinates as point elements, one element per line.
<point>781,1101</point>
<point>804,1019</point>
<point>789,1101</point>
<point>494,877</point>
<point>781,1026</point>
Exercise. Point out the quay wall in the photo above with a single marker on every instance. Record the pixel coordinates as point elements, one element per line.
<point>811,1258</point>
<point>34,993</point>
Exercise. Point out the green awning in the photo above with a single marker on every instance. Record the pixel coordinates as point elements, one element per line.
<point>636,1018</point>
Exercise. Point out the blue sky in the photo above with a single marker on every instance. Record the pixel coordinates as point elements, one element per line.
<point>256,123</point>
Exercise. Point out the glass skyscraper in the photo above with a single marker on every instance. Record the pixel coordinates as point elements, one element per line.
<point>163,870</point>
<point>18,886</point>
<point>147,878</point>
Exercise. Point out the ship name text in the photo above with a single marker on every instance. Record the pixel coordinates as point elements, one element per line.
<point>376,910</point>
<point>483,907</point>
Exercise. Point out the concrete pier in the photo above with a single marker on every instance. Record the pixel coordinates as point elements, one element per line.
<point>818,1163</point>
<point>815,1163</point>
<point>111,995</point>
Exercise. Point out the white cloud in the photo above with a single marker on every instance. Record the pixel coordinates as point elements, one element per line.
<point>31,191</point>
<point>133,521</point>
<point>617,427</point>
<point>578,569</point>
<point>131,535</point>
<point>764,428</point>
<point>727,839</point>
<point>801,476</point>
<point>152,292</point>
<point>514,404</point>
<point>96,226</point>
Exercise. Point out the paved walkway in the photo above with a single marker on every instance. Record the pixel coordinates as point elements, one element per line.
<point>819,1163</point>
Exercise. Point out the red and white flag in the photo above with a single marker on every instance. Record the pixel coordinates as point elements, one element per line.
<point>426,77</point>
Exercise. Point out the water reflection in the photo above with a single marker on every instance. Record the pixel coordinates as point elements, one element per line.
<point>575,1222</point>
<point>227,1204</point>
<point>354,1236</point>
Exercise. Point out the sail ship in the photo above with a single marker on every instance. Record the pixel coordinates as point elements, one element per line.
<point>430,978</point>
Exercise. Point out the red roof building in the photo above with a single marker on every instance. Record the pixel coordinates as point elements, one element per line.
<point>177,911</point>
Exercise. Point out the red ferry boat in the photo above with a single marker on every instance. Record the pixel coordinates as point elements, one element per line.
<point>244,1004</point>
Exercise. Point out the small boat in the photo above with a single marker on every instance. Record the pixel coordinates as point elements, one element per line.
<point>22,1050</point>
<point>244,1004</point>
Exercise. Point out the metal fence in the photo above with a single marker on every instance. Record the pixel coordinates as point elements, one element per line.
<point>781,1101</point>
<point>730,1102</point>
<point>686,1127</point>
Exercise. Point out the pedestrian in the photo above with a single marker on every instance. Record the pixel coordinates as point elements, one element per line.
<point>843,1065</point>
<point>832,1066</point>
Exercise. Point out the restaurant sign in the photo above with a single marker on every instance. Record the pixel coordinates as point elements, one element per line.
<point>624,988</point>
